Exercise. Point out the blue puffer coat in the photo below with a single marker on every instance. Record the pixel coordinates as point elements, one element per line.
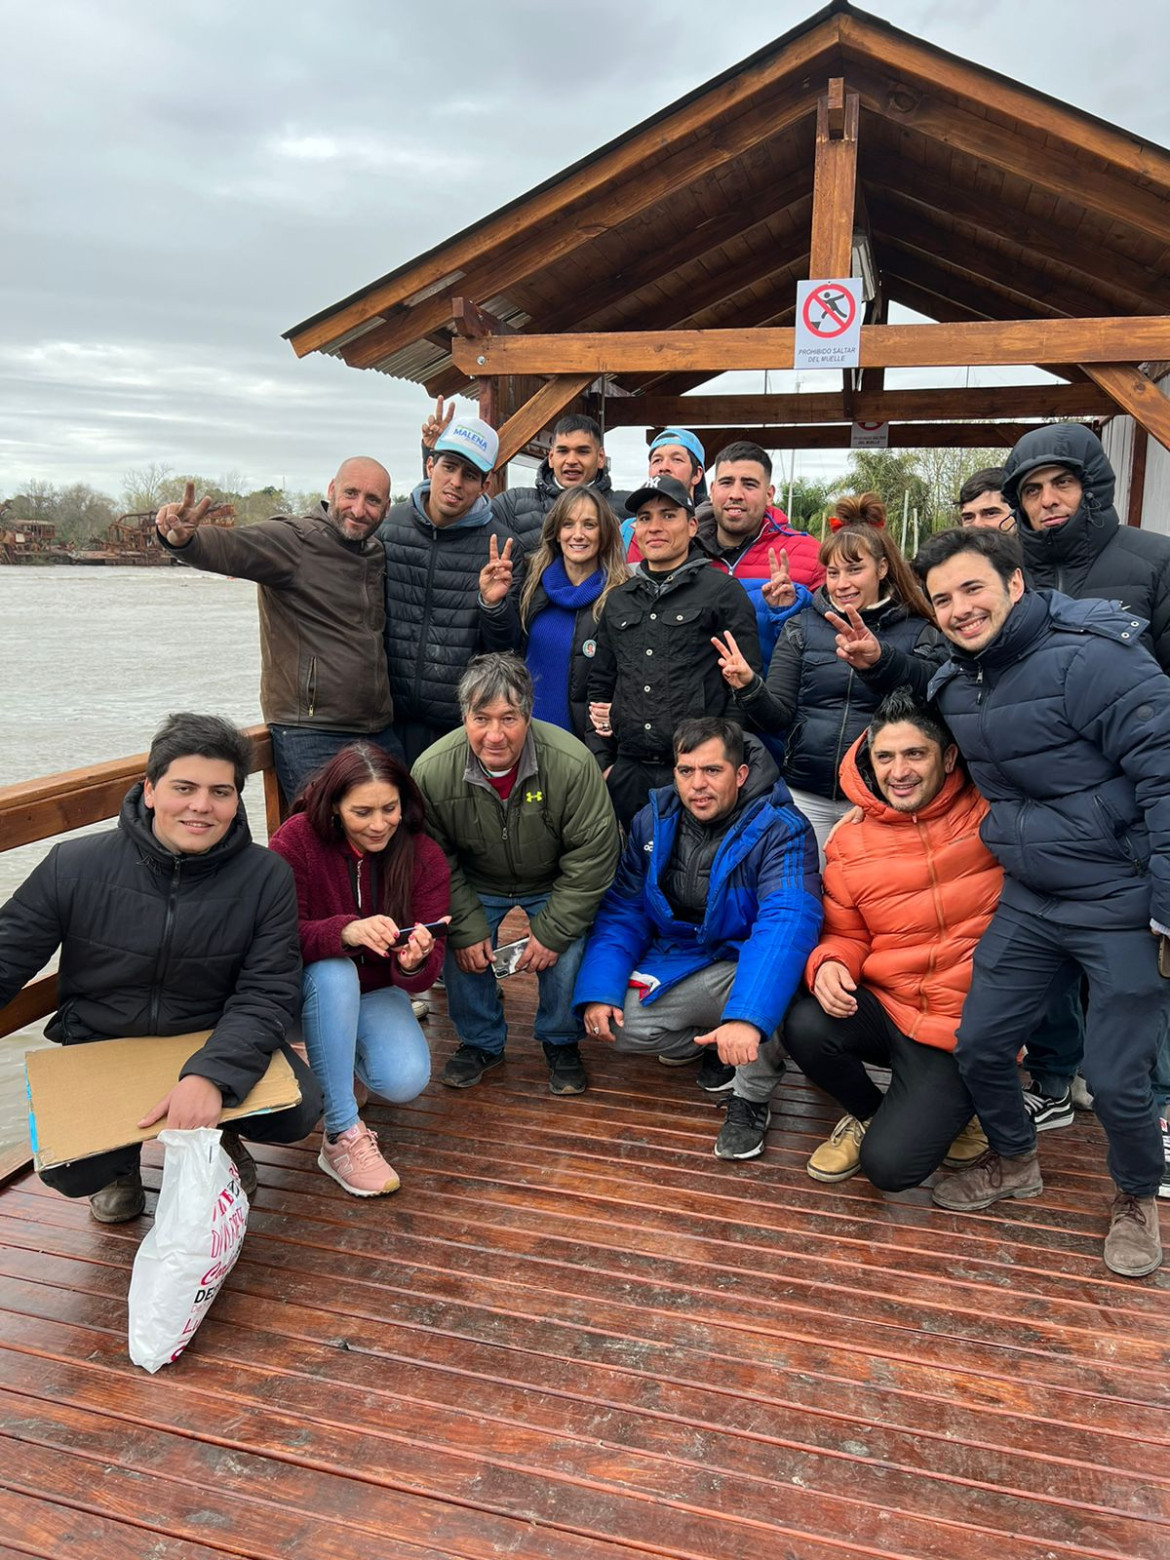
<point>1064,721</point>
<point>763,907</point>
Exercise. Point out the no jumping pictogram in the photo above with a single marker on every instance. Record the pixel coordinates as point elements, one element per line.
<point>829,311</point>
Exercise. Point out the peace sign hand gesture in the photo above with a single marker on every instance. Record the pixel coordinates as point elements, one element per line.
<point>735,669</point>
<point>179,522</point>
<point>855,643</point>
<point>495,578</point>
<point>437,423</point>
<point>779,591</point>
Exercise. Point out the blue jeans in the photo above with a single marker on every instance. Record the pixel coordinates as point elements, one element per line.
<point>373,1034</point>
<point>297,751</point>
<point>473,1001</point>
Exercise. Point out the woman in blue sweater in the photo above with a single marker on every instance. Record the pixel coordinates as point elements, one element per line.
<point>549,615</point>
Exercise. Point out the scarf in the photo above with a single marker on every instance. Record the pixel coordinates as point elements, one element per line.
<point>550,640</point>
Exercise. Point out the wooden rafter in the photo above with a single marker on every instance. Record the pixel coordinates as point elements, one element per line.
<point>903,436</point>
<point>1135,394</point>
<point>889,346</point>
<point>834,182</point>
<point>985,401</point>
<point>526,423</point>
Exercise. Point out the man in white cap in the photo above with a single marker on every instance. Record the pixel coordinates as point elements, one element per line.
<point>436,544</point>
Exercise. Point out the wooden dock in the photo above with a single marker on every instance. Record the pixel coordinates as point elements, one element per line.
<point>575,1334</point>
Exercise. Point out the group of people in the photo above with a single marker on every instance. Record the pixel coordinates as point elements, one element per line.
<point>756,798</point>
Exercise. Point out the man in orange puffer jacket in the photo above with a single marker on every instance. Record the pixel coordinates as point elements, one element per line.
<point>909,889</point>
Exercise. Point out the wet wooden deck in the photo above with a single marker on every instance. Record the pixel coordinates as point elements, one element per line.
<point>575,1334</point>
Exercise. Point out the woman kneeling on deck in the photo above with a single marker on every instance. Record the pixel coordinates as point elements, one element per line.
<point>364,869</point>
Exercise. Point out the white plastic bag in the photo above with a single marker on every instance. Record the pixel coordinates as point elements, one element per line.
<point>190,1249</point>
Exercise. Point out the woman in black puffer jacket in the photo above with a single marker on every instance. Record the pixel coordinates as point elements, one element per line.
<point>814,696</point>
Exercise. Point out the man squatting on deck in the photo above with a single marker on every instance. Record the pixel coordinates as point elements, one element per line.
<point>699,944</point>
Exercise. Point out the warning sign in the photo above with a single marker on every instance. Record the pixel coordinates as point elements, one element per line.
<point>869,436</point>
<point>828,324</point>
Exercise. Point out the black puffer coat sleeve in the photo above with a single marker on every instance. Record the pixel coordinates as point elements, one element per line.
<point>772,705</point>
<point>30,928</point>
<point>896,667</point>
<point>267,994</point>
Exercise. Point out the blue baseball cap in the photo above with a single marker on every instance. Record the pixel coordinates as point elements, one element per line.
<point>682,436</point>
<point>472,440</point>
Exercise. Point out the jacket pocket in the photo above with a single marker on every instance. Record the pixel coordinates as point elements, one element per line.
<point>1116,833</point>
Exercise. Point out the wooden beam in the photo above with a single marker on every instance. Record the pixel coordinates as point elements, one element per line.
<point>1137,476</point>
<point>35,1001</point>
<point>903,436</point>
<point>979,401</point>
<point>471,321</point>
<point>1085,341</point>
<point>537,413</point>
<point>1135,394</point>
<point>834,182</point>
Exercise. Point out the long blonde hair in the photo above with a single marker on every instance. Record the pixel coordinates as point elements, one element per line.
<point>611,557</point>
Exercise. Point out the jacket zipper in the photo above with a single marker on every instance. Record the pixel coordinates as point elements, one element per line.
<point>422,627</point>
<point>836,796</point>
<point>164,947</point>
<point>312,688</point>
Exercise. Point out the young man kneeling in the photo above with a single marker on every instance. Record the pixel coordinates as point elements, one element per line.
<point>172,922</point>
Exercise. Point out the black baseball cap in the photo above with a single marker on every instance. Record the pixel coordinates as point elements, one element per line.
<point>661,487</point>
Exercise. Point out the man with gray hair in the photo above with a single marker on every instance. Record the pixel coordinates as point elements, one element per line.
<point>521,810</point>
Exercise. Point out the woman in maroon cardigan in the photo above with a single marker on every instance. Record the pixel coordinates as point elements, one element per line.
<point>364,869</point>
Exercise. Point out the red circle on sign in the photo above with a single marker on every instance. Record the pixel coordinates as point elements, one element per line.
<point>870,427</point>
<point>828,299</point>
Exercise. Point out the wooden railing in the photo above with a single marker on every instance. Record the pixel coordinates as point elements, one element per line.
<point>56,804</point>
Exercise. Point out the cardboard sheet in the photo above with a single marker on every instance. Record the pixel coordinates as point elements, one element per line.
<point>88,1099</point>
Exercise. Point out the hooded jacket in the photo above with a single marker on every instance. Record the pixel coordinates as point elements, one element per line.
<point>556,834</point>
<point>654,655</point>
<point>906,898</point>
<point>432,604</point>
<point>322,616</point>
<point>1092,554</point>
<point>1064,721</point>
<point>820,701</point>
<point>763,905</point>
<point>160,944</point>
<point>523,510</point>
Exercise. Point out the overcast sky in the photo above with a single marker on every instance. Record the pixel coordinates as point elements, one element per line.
<point>183,182</point>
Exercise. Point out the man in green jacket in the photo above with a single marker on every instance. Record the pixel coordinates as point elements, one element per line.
<point>522,812</point>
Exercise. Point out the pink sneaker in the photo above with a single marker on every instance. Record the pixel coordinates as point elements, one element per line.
<point>355,1162</point>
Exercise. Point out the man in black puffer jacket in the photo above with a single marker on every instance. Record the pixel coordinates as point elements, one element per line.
<point>576,459</point>
<point>172,922</point>
<point>436,544</point>
<point>1060,484</point>
<point>1063,718</point>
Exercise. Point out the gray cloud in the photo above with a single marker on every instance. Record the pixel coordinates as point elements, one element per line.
<point>193,178</point>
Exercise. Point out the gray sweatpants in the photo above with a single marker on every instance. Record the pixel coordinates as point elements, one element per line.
<point>668,1026</point>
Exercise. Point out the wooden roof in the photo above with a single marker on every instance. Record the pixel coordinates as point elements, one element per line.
<point>575,1334</point>
<point>985,200</point>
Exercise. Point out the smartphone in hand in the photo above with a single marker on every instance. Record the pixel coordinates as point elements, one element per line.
<point>506,958</point>
<point>437,929</point>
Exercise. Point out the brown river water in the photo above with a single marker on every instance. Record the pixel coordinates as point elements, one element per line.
<point>91,661</point>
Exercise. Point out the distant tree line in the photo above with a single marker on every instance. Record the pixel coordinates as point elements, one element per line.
<point>81,512</point>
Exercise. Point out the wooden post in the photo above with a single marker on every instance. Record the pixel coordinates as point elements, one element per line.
<point>1137,475</point>
<point>834,183</point>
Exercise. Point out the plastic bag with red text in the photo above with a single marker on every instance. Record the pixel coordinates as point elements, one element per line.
<point>190,1249</point>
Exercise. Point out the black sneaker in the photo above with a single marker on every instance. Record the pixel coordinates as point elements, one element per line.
<point>1047,1111</point>
<point>742,1134</point>
<point>566,1070</point>
<point>119,1200</point>
<point>714,1076</point>
<point>468,1066</point>
<point>1164,1185</point>
<point>244,1163</point>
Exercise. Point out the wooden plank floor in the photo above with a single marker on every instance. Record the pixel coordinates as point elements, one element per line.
<point>575,1335</point>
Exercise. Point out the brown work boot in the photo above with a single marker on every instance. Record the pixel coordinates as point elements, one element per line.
<point>245,1164</point>
<point>989,1180</point>
<point>1133,1246</point>
<point>119,1200</point>
<point>839,1156</point>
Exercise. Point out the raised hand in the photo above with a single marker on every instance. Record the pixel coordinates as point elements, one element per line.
<point>495,578</point>
<point>735,669</point>
<point>779,590</point>
<point>833,988</point>
<point>437,423</point>
<point>855,643</point>
<point>179,522</point>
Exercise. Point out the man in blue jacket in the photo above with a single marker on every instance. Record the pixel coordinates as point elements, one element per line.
<point>700,944</point>
<point>1064,721</point>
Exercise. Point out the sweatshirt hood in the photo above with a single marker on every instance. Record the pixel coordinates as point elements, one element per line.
<point>478,515</point>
